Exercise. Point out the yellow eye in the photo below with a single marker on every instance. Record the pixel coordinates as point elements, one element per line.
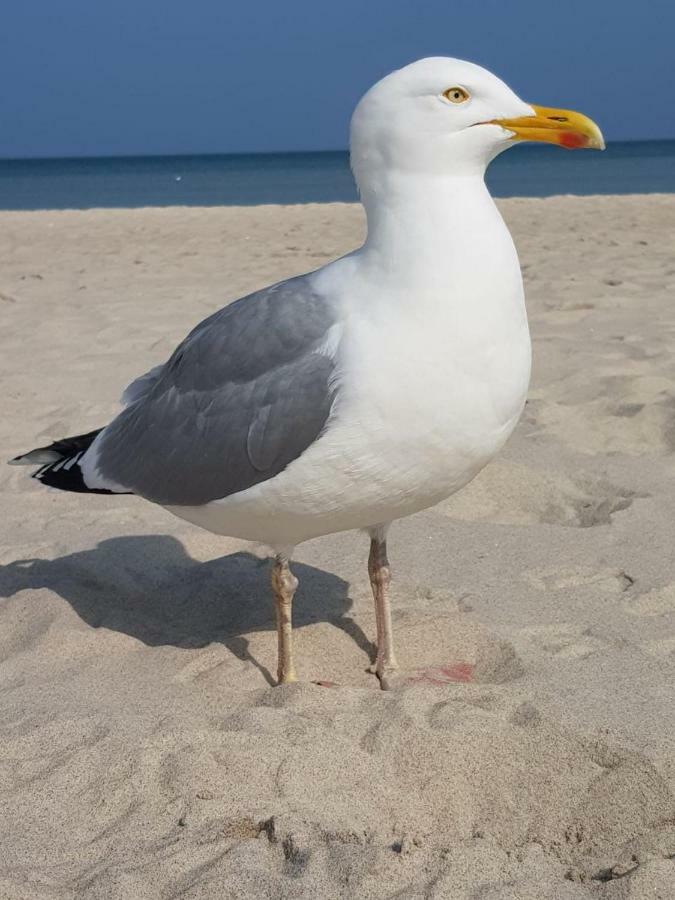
<point>456,95</point>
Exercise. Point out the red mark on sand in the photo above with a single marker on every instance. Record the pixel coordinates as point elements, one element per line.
<point>440,675</point>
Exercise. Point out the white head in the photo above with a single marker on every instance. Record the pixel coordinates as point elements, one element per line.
<point>443,116</point>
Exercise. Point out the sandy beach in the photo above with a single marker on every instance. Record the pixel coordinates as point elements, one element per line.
<point>146,754</point>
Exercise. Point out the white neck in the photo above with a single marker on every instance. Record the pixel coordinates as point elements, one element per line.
<point>435,233</point>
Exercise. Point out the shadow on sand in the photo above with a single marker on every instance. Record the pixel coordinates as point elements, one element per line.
<point>148,587</point>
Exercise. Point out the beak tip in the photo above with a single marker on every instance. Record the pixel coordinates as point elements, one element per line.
<point>596,140</point>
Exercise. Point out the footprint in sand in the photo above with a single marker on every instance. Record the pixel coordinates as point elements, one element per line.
<point>661,648</point>
<point>602,582</point>
<point>657,602</point>
<point>509,493</point>
<point>566,641</point>
<point>630,414</point>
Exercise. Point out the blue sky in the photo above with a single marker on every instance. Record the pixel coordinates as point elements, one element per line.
<point>85,77</point>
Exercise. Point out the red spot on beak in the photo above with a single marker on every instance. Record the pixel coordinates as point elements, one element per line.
<point>572,140</point>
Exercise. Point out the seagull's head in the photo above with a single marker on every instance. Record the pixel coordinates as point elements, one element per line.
<point>447,116</point>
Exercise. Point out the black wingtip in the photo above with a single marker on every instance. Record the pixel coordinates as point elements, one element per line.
<point>59,464</point>
<point>66,475</point>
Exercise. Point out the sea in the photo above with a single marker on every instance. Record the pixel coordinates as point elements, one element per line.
<point>633,167</point>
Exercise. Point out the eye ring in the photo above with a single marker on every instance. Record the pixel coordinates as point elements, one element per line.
<point>457,94</point>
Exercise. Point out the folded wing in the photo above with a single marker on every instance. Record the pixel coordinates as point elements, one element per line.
<point>241,397</point>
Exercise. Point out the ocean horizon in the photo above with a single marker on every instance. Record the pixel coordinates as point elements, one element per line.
<point>626,167</point>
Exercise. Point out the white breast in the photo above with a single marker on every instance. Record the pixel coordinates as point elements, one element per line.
<point>433,377</point>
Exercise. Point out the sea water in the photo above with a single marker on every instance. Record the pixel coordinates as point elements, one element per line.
<point>249,179</point>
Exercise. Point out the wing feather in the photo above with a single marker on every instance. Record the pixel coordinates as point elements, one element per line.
<point>245,394</point>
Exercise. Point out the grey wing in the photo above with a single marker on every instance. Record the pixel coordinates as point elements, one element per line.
<point>141,386</point>
<point>245,394</point>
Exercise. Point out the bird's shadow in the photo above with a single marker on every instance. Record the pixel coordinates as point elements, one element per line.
<point>148,587</point>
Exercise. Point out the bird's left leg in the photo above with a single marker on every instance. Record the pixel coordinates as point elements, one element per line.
<point>380,577</point>
<point>284,584</point>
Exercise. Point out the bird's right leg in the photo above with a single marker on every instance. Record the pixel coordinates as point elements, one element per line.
<point>284,584</point>
<point>380,577</point>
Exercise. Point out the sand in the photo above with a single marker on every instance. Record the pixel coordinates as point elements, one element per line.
<point>145,754</point>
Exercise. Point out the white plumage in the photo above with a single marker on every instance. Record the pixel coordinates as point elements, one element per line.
<point>433,349</point>
<point>421,346</point>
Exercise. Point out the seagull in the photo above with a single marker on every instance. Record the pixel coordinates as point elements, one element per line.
<point>367,390</point>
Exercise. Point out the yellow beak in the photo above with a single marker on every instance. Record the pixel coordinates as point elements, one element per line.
<point>555,126</point>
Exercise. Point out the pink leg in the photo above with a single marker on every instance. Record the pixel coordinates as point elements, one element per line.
<point>284,585</point>
<point>380,577</point>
